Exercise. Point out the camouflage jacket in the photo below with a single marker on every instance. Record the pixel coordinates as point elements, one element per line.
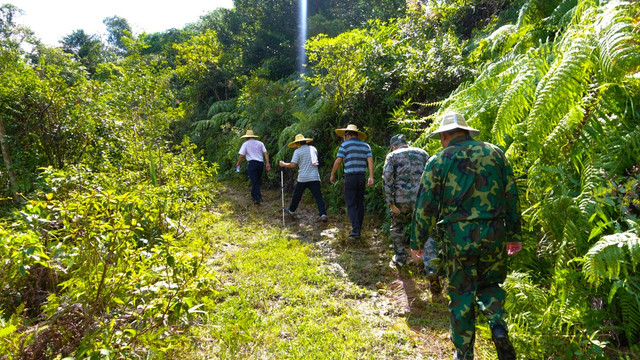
<point>469,180</point>
<point>401,174</point>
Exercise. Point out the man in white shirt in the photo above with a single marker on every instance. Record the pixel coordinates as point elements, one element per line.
<point>256,155</point>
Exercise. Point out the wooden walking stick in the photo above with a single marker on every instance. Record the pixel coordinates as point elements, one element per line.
<point>282,192</point>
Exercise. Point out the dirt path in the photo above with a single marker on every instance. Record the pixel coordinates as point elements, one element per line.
<point>402,295</point>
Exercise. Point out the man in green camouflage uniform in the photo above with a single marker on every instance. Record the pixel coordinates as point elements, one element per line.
<point>401,177</point>
<point>468,191</point>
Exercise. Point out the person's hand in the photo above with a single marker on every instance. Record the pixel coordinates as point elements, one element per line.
<point>281,163</point>
<point>332,179</point>
<point>268,167</point>
<point>370,181</point>
<point>513,247</point>
<point>394,209</point>
<point>416,254</point>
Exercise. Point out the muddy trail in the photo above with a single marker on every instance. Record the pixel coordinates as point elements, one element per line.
<point>402,295</point>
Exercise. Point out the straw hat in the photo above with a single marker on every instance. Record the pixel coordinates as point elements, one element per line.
<point>298,139</point>
<point>452,121</point>
<point>249,134</point>
<point>353,128</point>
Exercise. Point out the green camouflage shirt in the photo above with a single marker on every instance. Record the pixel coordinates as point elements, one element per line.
<point>471,180</point>
<point>401,174</point>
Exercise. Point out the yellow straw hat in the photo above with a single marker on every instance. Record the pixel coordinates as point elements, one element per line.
<point>353,128</point>
<point>452,121</point>
<point>298,139</point>
<point>249,134</point>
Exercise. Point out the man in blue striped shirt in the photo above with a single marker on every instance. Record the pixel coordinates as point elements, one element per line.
<point>357,157</point>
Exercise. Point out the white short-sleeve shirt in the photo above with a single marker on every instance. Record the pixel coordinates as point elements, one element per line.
<point>253,150</point>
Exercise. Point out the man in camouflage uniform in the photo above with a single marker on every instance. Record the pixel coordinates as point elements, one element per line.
<point>401,177</point>
<point>468,191</point>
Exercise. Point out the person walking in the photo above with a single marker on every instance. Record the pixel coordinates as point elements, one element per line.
<point>306,158</point>
<point>401,175</point>
<point>468,201</point>
<point>257,156</point>
<point>357,158</point>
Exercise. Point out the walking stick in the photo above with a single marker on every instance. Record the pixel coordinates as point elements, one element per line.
<point>282,192</point>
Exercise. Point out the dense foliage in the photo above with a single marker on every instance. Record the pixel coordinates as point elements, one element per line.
<point>110,148</point>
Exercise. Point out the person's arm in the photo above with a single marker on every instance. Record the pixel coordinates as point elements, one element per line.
<point>370,165</point>
<point>290,165</point>
<point>512,218</point>
<point>334,169</point>
<point>240,157</point>
<point>266,159</point>
<point>388,184</point>
<point>425,215</point>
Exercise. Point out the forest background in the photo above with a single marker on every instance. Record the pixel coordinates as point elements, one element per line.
<point>113,149</point>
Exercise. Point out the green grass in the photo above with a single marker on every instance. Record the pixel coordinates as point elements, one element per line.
<point>291,293</point>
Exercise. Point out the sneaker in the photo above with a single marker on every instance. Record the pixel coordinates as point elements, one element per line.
<point>289,212</point>
<point>354,235</point>
<point>323,218</point>
<point>434,283</point>
<point>503,345</point>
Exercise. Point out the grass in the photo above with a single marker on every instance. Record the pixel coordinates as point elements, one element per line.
<point>301,291</point>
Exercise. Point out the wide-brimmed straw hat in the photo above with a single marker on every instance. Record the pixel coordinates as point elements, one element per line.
<point>452,121</point>
<point>353,128</point>
<point>299,138</point>
<point>249,134</point>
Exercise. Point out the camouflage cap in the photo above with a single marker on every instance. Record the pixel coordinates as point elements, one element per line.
<point>397,139</point>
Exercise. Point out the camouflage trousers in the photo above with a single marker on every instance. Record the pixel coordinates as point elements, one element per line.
<point>475,266</point>
<point>399,231</point>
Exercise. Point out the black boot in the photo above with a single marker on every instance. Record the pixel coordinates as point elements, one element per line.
<point>503,345</point>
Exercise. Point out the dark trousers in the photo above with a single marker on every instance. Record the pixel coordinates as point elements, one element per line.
<point>314,187</point>
<point>354,185</point>
<point>255,173</point>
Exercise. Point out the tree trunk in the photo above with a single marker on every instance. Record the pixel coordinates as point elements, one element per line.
<point>7,161</point>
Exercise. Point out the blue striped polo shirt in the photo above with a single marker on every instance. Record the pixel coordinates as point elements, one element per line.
<point>354,153</point>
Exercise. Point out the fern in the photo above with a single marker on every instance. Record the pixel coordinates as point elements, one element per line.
<point>554,144</point>
<point>614,257</point>
<point>619,43</point>
<point>562,86</point>
<point>519,95</point>
<point>220,113</point>
<point>221,107</point>
<point>630,305</point>
<point>562,14</point>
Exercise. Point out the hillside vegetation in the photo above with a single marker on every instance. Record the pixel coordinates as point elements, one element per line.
<point>115,236</point>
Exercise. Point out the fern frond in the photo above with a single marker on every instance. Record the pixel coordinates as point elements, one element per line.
<point>619,44</point>
<point>519,95</point>
<point>215,122</point>
<point>562,134</point>
<point>563,13</point>
<point>622,150</point>
<point>561,87</point>
<point>574,237</point>
<point>613,257</point>
<point>630,306</point>
<point>469,99</point>
<point>221,107</point>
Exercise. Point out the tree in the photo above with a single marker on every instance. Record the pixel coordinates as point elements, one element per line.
<point>12,35</point>
<point>118,29</point>
<point>87,49</point>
